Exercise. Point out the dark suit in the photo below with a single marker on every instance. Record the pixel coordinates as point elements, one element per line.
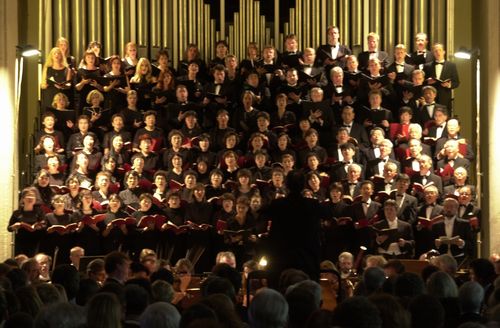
<point>407,211</point>
<point>424,238</point>
<point>294,242</point>
<point>346,189</point>
<point>368,154</point>
<point>457,162</point>
<point>357,132</point>
<point>431,178</point>
<point>208,113</point>
<point>289,59</point>
<point>325,130</point>
<point>471,211</point>
<point>364,57</point>
<point>372,167</point>
<point>453,189</point>
<point>338,172</point>
<point>419,60</point>
<point>324,52</point>
<point>422,115</point>
<point>404,231</point>
<point>376,116</point>
<point>363,235</point>
<point>467,153</point>
<point>315,71</point>
<point>450,72</point>
<point>405,75</point>
<point>460,228</point>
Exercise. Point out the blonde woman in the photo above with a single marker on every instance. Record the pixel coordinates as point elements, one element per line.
<point>143,82</point>
<point>63,44</point>
<point>56,77</point>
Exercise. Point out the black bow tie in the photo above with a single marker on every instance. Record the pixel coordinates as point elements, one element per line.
<point>308,66</point>
<point>339,86</point>
<point>346,126</point>
<point>399,195</point>
<point>371,52</point>
<point>438,63</point>
<point>400,65</point>
<point>216,84</point>
<point>352,183</point>
<point>420,52</point>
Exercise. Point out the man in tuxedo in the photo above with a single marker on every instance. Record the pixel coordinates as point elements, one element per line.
<point>362,212</point>
<point>218,95</point>
<point>425,176</point>
<point>339,92</point>
<point>398,71</point>
<point>460,179</point>
<point>453,133</point>
<point>376,115</point>
<point>469,213</point>
<point>451,227</point>
<point>372,53</point>
<point>355,130</point>
<point>291,57</point>
<point>294,90</point>
<point>421,55</point>
<point>403,151</point>
<point>424,238</point>
<point>352,185</point>
<point>411,164</point>
<point>310,74</point>
<point>407,204</point>
<point>340,169</point>
<point>373,150</point>
<point>376,165</point>
<point>386,181</point>
<point>320,116</point>
<point>438,130</point>
<point>450,161</point>
<point>425,113</point>
<point>411,94</point>
<point>393,245</point>
<point>171,117</point>
<point>333,53</point>
<point>443,75</point>
<point>467,210</point>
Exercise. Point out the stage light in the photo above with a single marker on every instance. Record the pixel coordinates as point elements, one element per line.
<point>28,51</point>
<point>463,53</point>
<point>263,262</point>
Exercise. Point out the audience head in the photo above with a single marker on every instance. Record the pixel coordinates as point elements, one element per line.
<point>268,309</point>
<point>160,315</point>
<point>357,312</point>
<point>442,285</point>
<point>104,311</point>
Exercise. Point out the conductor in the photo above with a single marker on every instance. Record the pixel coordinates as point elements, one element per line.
<point>294,237</point>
